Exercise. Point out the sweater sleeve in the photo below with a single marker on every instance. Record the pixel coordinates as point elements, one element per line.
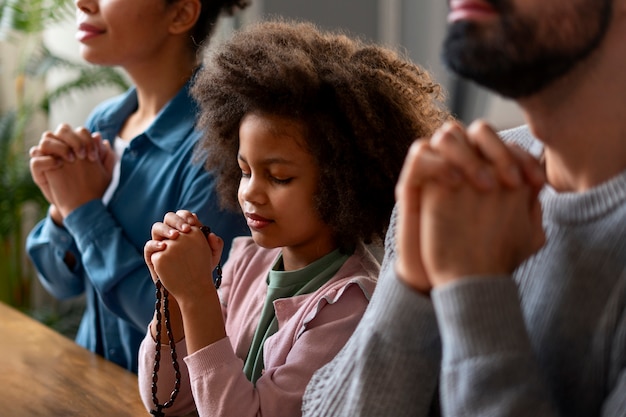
<point>615,402</point>
<point>390,363</point>
<point>486,350</point>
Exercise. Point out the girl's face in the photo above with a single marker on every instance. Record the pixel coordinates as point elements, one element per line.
<point>122,32</point>
<point>279,178</point>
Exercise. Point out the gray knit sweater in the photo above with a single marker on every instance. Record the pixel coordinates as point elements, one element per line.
<point>550,341</point>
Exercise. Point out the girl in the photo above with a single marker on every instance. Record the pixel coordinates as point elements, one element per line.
<point>307,132</point>
<point>103,202</point>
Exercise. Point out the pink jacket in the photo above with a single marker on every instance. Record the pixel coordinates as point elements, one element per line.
<point>312,330</point>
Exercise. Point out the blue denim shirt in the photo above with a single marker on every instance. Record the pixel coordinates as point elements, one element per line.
<point>157,175</point>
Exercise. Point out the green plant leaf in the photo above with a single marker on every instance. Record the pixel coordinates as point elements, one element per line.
<point>31,16</point>
<point>87,76</point>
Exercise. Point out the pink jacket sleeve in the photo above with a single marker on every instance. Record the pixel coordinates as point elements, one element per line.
<point>183,403</point>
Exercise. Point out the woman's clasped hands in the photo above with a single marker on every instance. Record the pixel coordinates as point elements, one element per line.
<point>71,167</point>
<point>468,206</point>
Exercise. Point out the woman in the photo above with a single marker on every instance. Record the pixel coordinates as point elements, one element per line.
<point>103,199</point>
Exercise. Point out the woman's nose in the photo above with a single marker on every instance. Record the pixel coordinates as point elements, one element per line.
<point>86,6</point>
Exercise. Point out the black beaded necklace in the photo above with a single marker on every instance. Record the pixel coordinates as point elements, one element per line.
<point>162,294</point>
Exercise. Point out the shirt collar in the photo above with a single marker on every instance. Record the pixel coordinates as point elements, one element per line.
<point>170,127</point>
<point>174,122</point>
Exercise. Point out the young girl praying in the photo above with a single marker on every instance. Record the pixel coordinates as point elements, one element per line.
<point>306,132</point>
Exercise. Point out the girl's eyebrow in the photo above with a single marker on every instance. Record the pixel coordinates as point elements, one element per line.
<point>270,160</point>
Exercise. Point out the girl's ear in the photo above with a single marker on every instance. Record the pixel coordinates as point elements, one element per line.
<point>186,13</point>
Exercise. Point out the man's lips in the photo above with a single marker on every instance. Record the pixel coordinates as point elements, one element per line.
<point>470,10</point>
<point>87,31</point>
<point>257,222</point>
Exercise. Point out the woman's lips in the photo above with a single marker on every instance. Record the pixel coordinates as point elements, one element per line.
<point>470,10</point>
<point>87,31</point>
<point>257,222</point>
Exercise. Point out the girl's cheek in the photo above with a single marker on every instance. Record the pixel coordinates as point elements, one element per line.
<point>240,199</point>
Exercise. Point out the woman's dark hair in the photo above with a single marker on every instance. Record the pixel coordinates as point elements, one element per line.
<point>362,106</point>
<point>209,14</point>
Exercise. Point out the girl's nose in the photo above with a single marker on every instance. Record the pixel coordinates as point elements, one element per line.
<point>251,191</point>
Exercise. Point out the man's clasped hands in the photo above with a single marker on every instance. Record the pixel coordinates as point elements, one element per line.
<point>467,207</point>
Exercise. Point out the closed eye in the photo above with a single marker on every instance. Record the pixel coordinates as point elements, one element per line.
<point>281,181</point>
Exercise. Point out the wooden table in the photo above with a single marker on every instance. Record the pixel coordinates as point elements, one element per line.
<point>43,373</point>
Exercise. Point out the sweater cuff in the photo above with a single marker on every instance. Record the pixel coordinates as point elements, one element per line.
<point>478,317</point>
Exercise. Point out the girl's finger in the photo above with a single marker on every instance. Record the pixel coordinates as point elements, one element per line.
<point>189,217</point>
<point>162,231</point>
<point>217,246</point>
<point>153,246</point>
<point>150,248</point>
<point>177,222</point>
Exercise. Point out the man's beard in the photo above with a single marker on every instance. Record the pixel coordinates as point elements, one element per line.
<point>516,56</point>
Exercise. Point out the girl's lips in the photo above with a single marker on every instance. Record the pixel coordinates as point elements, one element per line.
<point>470,10</point>
<point>87,31</point>
<point>257,222</point>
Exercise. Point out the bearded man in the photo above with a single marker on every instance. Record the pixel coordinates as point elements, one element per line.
<point>503,289</point>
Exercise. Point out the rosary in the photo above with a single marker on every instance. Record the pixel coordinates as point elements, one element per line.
<point>161,293</point>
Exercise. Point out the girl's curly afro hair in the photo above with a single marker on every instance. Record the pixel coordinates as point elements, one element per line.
<point>362,106</point>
